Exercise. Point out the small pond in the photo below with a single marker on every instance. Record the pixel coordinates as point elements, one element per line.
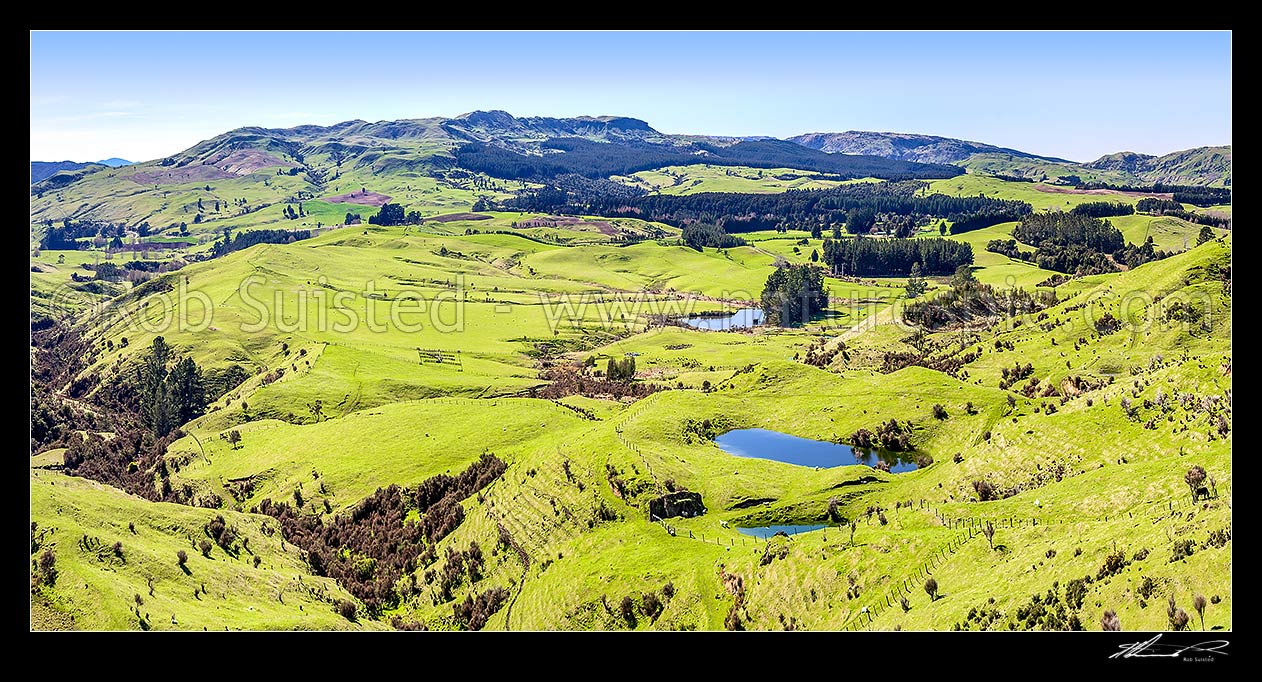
<point>765,444</point>
<point>764,532</point>
<point>745,317</point>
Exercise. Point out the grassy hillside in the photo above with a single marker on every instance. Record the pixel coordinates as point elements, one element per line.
<point>550,513</point>
<point>706,178</point>
<point>371,356</point>
<point>97,589</point>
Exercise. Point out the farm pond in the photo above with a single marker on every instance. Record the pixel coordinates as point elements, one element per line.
<point>743,318</point>
<point>782,447</point>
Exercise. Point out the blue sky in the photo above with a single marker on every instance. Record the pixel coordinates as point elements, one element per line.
<point>145,95</point>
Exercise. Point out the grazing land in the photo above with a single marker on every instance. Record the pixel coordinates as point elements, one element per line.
<point>404,398</point>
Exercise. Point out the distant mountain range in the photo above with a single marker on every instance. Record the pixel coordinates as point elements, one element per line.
<point>1199,166</point>
<point>41,170</point>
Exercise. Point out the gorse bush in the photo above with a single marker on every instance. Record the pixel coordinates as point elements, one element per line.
<point>375,530</point>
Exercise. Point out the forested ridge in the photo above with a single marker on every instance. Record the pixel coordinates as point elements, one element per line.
<point>601,159</point>
<point>736,212</point>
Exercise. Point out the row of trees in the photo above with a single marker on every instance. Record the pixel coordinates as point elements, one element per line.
<point>1157,205</point>
<point>699,235</point>
<point>862,257</point>
<point>244,240</point>
<point>1103,209</point>
<point>1187,194</point>
<point>857,205</point>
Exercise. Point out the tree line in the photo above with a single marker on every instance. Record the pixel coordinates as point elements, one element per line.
<point>574,155</point>
<point>798,209</point>
<point>1187,194</point>
<point>1103,209</point>
<point>243,240</point>
<point>863,257</point>
<point>699,235</point>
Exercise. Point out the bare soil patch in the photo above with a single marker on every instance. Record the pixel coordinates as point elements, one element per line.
<point>1058,189</point>
<point>362,198</point>
<point>452,217</point>
<point>172,175</point>
<point>246,161</point>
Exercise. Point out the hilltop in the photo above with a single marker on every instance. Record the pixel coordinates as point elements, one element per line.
<point>1202,166</point>
<point>244,170</point>
<point>906,146</point>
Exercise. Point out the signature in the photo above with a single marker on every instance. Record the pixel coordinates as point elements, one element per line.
<point>1153,649</point>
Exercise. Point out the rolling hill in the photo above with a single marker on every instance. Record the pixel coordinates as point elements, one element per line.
<point>905,146</point>
<point>1202,166</point>
<point>42,170</point>
<point>295,428</point>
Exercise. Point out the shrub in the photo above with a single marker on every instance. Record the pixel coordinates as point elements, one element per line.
<point>939,412</point>
<point>1194,478</point>
<point>627,609</point>
<point>205,547</point>
<point>668,591</point>
<point>473,613</point>
<point>902,601</point>
<point>931,587</point>
<point>1182,550</point>
<point>651,606</point>
<point>1198,603</point>
<point>347,609</point>
<point>48,567</point>
<point>733,620</point>
<point>834,509</point>
<point>1110,622</point>
<point>221,532</point>
<point>1113,564</point>
<point>985,490</point>
<point>1180,620</point>
<point>1076,593</point>
<point>1107,324</point>
<point>182,557</point>
<point>923,461</point>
